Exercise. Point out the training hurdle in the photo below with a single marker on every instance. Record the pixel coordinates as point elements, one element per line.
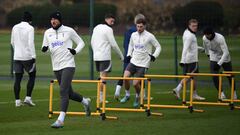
<point>140,109</point>
<point>183,106</point>
<point>219,102</point>
<point>98,111</point>
<point>233,73</point>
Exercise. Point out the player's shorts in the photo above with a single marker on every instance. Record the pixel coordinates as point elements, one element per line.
<point>103,66</point>
<point>27,65</point>
<point>135,70</point>
<point>190,68</point>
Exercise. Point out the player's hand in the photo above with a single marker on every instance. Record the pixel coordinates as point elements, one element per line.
<point>127,59</point>
<point>33,60</point>
<point>208,56</point>
<point>44,48</point>
<point>152,57</point>
<point>72,51</point>
<point>181,64</point>
<point>216,67</point>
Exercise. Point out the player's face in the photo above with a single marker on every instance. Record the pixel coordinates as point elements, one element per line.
<point>55,22</point>
<point>110,21</point>
<point>140,27</point>
<point>193,27</point>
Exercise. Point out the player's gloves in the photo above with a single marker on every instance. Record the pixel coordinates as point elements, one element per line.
<point>208,56</point>
<point>152,57</point>
<point>127,59</point>
<point>216,67</point>
<point>33,60</point>
<point>45,48</point>
<point>72,51</point>
<point>181,64</point>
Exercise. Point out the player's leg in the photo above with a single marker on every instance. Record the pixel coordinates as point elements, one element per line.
<point>193,68</point>
<point>30,67</point>
<point>18,69</point>
<point>127,73</point>
<point>119,84</point>
<point>228,67</point>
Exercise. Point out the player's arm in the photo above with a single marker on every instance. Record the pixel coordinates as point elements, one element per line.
<point>12,38</point>
<point>113,44</point>
<point>225,51</point>
<point>157,46</point>
<point>78,40</point>
<point>186,46</point>
<point>45,43</point>
<point>31,42</point>
<point>205,46</point>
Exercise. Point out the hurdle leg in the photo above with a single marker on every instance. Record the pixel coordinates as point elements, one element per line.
<point>50,99</point>
<point>98,97</point>
<point>219,88</point>
<point>103,115</point>
<point>141,94</point>
<point>184,92</point>
<point>232,93</point>
<point>191,95</point>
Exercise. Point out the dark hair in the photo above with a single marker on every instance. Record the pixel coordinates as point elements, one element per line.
<point>27,16</point>
<point>141,20</point>
<point>109,15</point>
<point>192,21</point>
<point>208,30</point>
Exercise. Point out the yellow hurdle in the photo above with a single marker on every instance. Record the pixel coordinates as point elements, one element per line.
<point>219,92</point>
<point>97,113</point>
<point>140,109</point>
<point>183,106</point>
<point>231,98</point>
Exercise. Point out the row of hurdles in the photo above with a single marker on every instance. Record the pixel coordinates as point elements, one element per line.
<point>101,108</point>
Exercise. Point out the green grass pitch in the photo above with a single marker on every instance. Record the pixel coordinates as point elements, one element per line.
<point>34,120</point>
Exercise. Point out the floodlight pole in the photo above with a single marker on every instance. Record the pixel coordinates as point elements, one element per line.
<point>90,31</point>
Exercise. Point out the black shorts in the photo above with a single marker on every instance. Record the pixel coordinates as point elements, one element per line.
<point>190,68</point>
<point>103,66</point>
<point>135,70</point>
<point>27,65</point>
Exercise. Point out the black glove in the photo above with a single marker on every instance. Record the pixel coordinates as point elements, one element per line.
<point>33,60</point>
<point>45,48</point>
<point>216,67</point>
<point>208,56</point>
<point>181,64</point>
<point>72,51</point>
<point>152,58</point>
<point>127,59</point>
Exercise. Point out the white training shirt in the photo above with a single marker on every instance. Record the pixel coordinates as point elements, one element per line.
<point>58,42</point>
<point>190,48</point>
<point>102,41</point>
<point>140,46</point>
<point>22,40</point>
<point>217,49</point>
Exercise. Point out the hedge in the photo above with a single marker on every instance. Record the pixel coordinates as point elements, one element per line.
<point>73,15</point>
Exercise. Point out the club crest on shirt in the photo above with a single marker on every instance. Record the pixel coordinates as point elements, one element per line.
<point>138,46</point>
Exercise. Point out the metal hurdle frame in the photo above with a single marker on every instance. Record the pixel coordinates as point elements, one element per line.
<point>98,111</point>
<point>219,102</point>
<point>183,106</point>
<point>141,109</point>
<point>233,73</point>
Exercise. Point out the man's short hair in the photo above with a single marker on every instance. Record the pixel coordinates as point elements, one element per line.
<point>208,30</point>
<point>109,15</point>
<point>143,21</point>
<point>137,17</point>
<point>192,21</point>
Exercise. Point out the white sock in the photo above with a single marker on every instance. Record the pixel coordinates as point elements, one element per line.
<point>61,116</point>
<point>145,93</point>
<point>118,89</point>
<point>127,92</point>
<point>84,101</point>
<point>137,95</point>
<point>179,87</point>
<point>101,96</point>
<point>28,98</point>
<point>195,92</point>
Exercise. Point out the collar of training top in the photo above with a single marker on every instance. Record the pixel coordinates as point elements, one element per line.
<point>191,31</point>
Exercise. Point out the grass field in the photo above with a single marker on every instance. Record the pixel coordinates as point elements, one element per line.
<point>34,120</point>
